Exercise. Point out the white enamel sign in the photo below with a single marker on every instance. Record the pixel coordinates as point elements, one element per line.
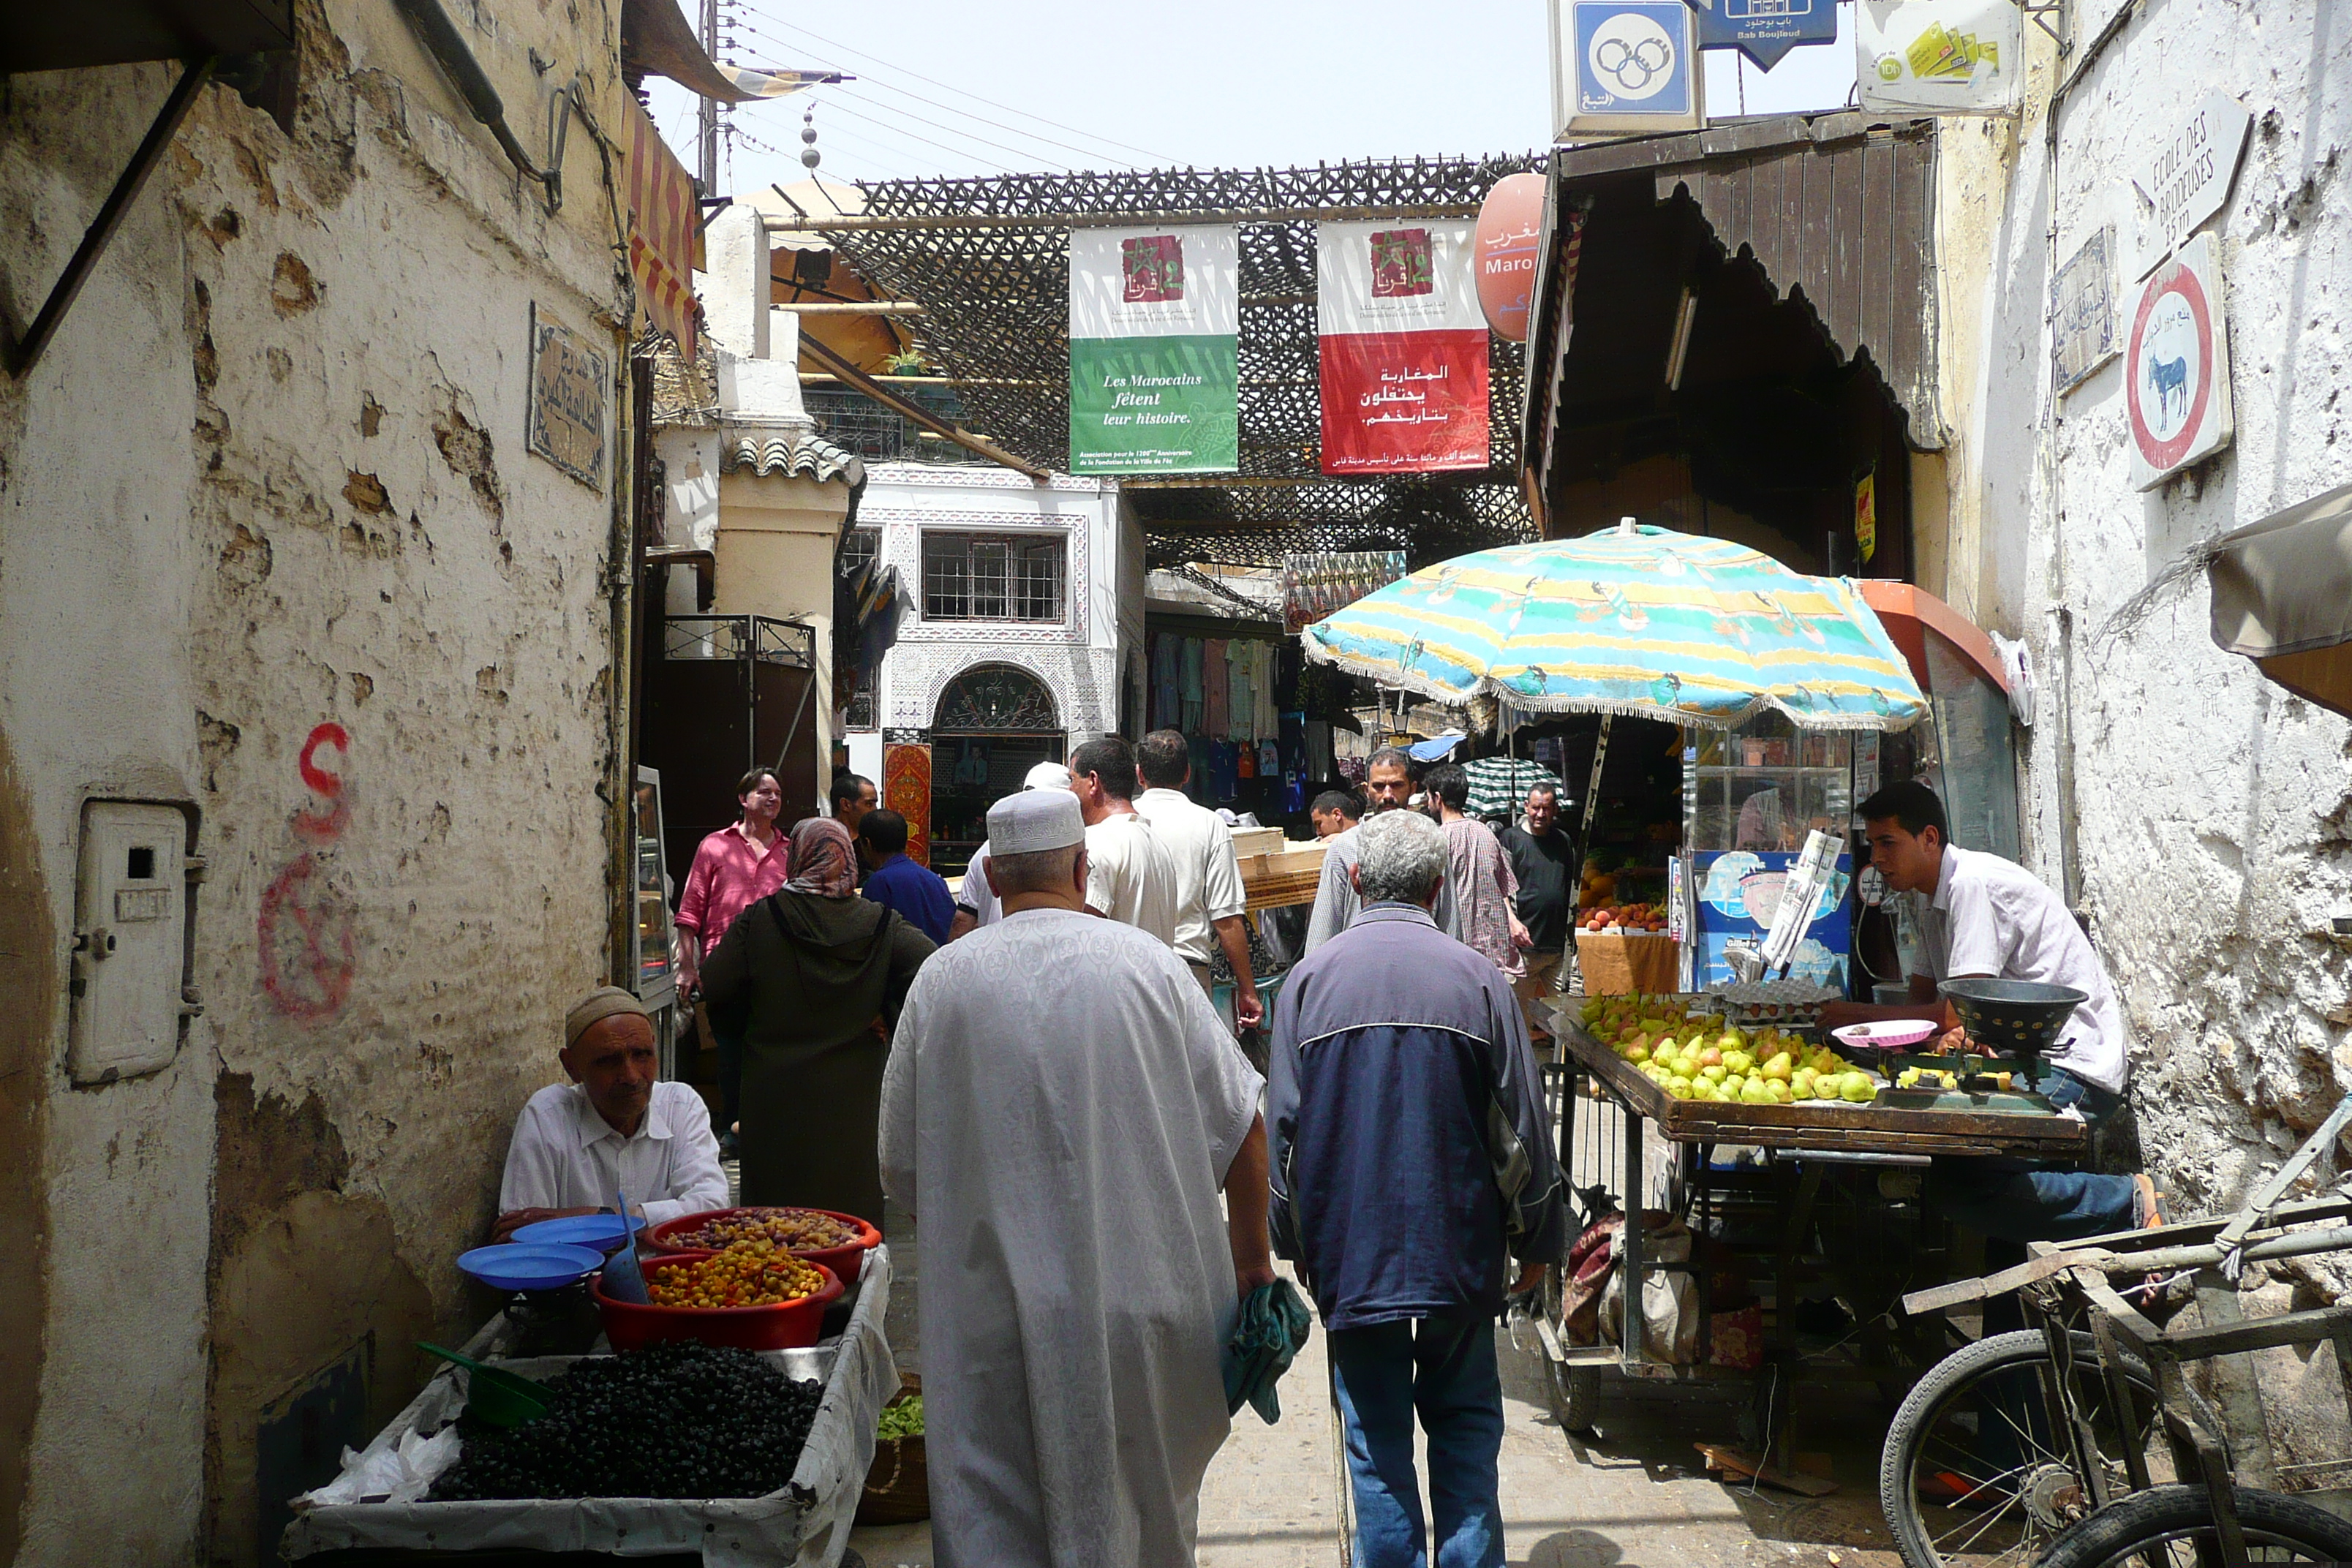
<point>2187,179</point>
<point>2177,365</point>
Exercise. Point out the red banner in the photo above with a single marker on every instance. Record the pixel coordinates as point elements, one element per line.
<point>907,790</point>
<point>1401,402</point>
<point>1404,360</point>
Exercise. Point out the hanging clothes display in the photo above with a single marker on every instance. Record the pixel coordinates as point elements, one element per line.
<point>1216,684</point>
<point>1240,703</point>
<point>1189,663</point>
<point>1167,681</point>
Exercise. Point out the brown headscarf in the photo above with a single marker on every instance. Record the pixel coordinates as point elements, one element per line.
<point>823,859</point>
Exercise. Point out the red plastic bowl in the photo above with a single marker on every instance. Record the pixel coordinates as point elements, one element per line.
<point>787,1325</point>
<point>847,1260</point>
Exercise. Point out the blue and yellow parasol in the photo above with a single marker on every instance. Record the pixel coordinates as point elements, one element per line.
<point>1634,620</point>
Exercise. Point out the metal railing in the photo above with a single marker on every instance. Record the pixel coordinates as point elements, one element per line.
<point>764,638</point>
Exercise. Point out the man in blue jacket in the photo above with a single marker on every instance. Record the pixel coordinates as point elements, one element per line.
<point>1411,1163</point>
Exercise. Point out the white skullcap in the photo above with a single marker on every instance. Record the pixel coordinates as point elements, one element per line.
<point>1047,775</point>
<point>1032,820</point>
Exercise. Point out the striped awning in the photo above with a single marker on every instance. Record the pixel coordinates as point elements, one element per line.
<point>1635,620</point>
<point>662,222</point>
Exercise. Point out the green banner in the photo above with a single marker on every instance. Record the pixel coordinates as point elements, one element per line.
<point>1154,406</point>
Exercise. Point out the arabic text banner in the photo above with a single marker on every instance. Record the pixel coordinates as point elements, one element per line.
<point>1155,315</point>
<point>1404,372</point>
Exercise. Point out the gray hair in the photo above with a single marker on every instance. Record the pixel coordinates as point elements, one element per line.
<point>1037,871</point>
<point>1401,856</point>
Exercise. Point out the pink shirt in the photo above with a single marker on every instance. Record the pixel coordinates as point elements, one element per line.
<point>730,874</point>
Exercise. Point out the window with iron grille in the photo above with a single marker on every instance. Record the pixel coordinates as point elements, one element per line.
<point>859,546</point>
<point>992,577</point>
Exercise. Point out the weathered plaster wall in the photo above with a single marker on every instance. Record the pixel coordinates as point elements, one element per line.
<point>270,543</point>
<point>2209,815</point>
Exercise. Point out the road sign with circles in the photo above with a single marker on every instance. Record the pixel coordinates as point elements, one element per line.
<point>2177,366</point>
<point>1623,66</point>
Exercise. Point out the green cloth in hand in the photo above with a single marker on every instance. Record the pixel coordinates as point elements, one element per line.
<point>1270,1331</point>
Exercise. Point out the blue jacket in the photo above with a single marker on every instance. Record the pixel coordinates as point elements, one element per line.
<point>919,894</point>
<point>1409,1142</point>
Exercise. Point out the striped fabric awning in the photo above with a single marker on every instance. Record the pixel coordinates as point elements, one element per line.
<point>1634,620</point>
<point>1499,785</point>
<point>662,221</point>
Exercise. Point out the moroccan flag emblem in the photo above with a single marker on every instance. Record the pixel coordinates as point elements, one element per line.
<point>1152,266</point>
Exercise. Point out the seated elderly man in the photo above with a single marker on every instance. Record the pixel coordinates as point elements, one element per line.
<point>615,1127</point>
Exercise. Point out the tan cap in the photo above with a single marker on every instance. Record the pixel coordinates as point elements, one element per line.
<point>1032,820</point>
<point>602,1003</point>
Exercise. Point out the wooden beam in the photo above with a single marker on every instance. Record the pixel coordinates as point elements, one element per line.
<point>872,222</point>
<point>921,417</point>
<point>858,308</point>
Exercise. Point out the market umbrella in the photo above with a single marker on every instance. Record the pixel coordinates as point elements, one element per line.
<point>1499,785</point>
<point>1635,620</point>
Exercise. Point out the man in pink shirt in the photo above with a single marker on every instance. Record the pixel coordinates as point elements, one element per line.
<point>734,869</point>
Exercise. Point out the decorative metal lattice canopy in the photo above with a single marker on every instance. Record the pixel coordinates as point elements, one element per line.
<point>989,260</point>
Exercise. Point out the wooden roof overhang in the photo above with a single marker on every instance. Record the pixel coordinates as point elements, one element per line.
<point>1832,212</point>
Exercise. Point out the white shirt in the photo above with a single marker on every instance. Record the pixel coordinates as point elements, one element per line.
<point>1992,915</point>
<point>566,1156</point>
<point>975,894</point>
<point>1128,877</point>
<point>1201,852</point>
<point>1071,1338</point>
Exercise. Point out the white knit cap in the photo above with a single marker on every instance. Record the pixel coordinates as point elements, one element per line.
<point>1047,775</point>
<point>1032,820</point>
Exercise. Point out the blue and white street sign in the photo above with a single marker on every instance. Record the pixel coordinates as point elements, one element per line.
<point>1764,30</point>
<point>1624,66</point>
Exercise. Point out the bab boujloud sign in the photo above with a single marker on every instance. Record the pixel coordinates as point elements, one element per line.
<point>1764,30</point>
<point>1623,67</point>
<point>1155,316</point>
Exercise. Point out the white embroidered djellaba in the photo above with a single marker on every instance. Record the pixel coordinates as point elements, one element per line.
<point>1060,1109</point>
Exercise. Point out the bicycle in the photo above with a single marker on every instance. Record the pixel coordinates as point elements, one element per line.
<point>2091,1440</point>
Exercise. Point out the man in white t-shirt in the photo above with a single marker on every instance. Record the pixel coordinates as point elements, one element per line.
<point>1983,917</point>
<point>1210,904</point>
<point>1128,877</point>
<point>976,901</point>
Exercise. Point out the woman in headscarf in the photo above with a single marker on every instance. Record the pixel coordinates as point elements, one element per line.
<point>811,976</point>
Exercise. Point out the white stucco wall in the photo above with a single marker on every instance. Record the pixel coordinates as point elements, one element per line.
<point>1078,660</point>
<point>270,478</point>
<point>2205,814</point>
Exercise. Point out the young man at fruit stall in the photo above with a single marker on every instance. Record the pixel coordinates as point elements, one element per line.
<point>1388,783</point>
<point>617,1128</point>
<point>1073,1323</point>
<point>1545,864</point>
<point>1982,917</point>
<point>1412,1164</point>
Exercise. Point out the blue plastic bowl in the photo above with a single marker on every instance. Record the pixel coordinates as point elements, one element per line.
<point>522,1266</point>
<point>601,1231</point>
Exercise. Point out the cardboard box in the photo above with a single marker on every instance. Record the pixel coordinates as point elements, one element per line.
<point>1617,964</point>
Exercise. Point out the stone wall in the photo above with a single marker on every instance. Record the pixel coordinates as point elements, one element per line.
<point>272,545</point>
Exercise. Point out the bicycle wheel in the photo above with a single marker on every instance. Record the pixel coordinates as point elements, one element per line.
<point>1972,1473</point>
<point>2175,1524</point>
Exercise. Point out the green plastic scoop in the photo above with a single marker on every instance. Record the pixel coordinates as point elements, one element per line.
<point>494,1397</point>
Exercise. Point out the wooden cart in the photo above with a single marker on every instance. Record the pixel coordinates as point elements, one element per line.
<point>1819,1175</point>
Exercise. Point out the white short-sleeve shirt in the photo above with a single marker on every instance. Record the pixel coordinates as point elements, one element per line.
<point>564,1155</point>
<point>1128,877</point>
<point>1992,915</point>
<point>1199,849</point>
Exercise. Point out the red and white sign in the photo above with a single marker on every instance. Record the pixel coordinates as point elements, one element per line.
<point>1403,348</point>
<point>1511,233</point>
<point>2177,366</point>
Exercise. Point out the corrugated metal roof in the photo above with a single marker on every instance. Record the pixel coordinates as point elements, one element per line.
<point>795,457</point>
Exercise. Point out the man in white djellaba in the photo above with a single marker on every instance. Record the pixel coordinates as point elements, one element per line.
<point>1061,1108</point>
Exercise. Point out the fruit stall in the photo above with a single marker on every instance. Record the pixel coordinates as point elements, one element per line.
<point>712,1385</point>
<point>1779,1179</point>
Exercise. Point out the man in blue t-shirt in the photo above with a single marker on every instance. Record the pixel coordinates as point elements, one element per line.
<point>917,892</point>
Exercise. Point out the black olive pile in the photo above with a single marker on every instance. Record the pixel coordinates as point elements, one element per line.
<point>674,1420</point>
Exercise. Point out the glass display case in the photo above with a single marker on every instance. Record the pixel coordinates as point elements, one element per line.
<point>653,952</point>
<point>1764,786</point>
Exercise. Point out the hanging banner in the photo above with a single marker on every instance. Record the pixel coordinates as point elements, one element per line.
<point>1510,239</point>
<point>663,223</point>
<point>1316,585</point>
<point>1938,56</point>
<point>1403,348</point>
<point>1155,320</point>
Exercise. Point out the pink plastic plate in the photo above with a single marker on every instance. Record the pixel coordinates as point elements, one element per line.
<point>1891,1034</point>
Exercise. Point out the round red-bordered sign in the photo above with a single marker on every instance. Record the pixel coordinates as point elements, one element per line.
<point>2177,279</point>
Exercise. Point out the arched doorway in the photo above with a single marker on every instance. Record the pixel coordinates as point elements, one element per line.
<point>992,723</point>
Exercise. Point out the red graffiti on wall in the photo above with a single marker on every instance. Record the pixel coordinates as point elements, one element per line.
<point>309,950</point>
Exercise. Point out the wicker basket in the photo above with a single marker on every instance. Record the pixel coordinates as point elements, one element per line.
<point>897,1486</point>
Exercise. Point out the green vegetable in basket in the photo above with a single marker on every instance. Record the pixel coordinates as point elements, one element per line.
<point>904,1419</point>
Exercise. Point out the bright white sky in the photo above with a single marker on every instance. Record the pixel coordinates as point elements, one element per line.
<point>948,86</point>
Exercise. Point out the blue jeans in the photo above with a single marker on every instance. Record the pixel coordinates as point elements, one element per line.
<point>2016,1199</point>
<point>1443,1369</point>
